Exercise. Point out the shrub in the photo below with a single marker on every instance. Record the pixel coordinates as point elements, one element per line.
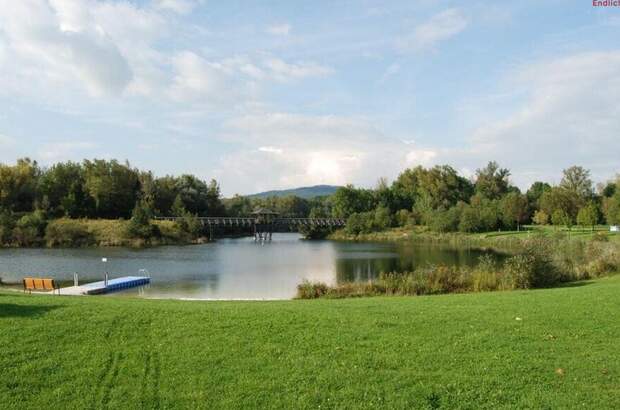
<point>7,224</point>
<point>600,237</point>
<point>68,232</point>
<point>356,224</point>
<point>404,218</point>
<point>485,276</point>
<point>140,225</point>
<point>30,229</point>
<point>311,290</point>
<point>444,220</point>
<point>540,218</point>
<point>382,219</point>
<point>534,267</point>
<point>470,220</point>
<point>189,225</point>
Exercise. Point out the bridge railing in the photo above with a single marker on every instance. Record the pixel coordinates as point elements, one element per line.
<point>250,221</point>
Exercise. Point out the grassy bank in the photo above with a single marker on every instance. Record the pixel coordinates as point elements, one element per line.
<point>500,240</point>
<point>553,348</point>
<point>65,232</point>
<point>537,258</point>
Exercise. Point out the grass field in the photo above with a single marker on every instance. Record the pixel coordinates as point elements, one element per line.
<point>453,351</point>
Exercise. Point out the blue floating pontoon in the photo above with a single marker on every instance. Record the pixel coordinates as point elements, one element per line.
<point>96,288</point>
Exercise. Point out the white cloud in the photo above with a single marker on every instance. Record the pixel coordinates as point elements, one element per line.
<point>283,71</point>
<point>279,29</point>
<point>316,149</point>
<point>271,150</point>
<point>424,157</point>
<point>102,48</point>
<point>438,28</point>
<point>177,6</point>
<point>196,78</point>
<point>391,70</point>
<point>66,150</point>
<point>565,112</point>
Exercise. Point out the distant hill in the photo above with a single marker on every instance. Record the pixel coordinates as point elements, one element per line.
<point>303,192</point>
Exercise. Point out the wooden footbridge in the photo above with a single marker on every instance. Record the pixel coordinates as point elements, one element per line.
<point>264,222</point>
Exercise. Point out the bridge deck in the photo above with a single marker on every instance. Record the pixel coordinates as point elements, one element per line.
<point>249,221</point>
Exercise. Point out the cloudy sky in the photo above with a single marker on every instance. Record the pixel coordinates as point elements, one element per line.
<point>263,95</point>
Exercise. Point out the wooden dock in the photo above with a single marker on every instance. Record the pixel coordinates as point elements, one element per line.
<point>97,288</point>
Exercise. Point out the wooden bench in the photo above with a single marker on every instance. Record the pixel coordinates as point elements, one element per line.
<point>31,284</point>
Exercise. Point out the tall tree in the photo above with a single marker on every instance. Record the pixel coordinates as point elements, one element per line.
<point>559,199</point>
<point>492,181</point>
<point>62,186</point>
<point>114,187</point>
<point>611,209</point>
<point>349,200</point>
<point>588,215</point>
<point>514,209</point>
<point>576,180</point>
<point>536,190</point>
<point>18,185</point>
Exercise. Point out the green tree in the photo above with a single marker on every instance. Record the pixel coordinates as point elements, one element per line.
<point>426,190</point>
<point>165,192</point>
<point>178,207</point>
<point>588,215</point>
<point>492,181</point>
<point>140,225</point>
<point>238,206</point>
<point>470,220</point>
<point>30,229</point>
<point>404,218</point>
<point>540,218</point>
<point>114,187</point>
<point>558,198</point>
<point>535,192</point>
<point>576,180</point>
<point>561,218</point>
<point>18,185</point>
<point>445,220</point>
<point>382,218</point>
<point>7,224</point>
<point>63,187</point>
<point>488,212</point>
<point>348,200</point>
<point>514,209</point>
<point>612,209</point>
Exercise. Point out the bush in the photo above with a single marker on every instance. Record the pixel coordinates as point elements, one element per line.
<point>470,220</point>
<point>68,232</point>
<point>382,219</point>
<point>140,225</point>
<point>189,225</point>
<point>534,267</point>
<point>311,290</point>
<point>404,218</point>
<point>600,237</point>
<point>485,277</point>
<point>444,220</point>
<point>30,229</point>
<point>7,224</point>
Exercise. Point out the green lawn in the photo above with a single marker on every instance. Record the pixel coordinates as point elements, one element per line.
<point>453,351</point>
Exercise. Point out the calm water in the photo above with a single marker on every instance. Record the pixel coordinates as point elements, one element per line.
<point>230,268</point>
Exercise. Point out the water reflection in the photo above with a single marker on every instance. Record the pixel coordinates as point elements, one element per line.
<point>230,268</point>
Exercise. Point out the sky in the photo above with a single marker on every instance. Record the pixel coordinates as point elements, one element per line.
<point>277,94</point>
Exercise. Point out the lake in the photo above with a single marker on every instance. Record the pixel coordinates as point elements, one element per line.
<point>230,268</point>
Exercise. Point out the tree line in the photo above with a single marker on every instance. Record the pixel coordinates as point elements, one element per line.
<point>437,197</point>
<point>441,199</point>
